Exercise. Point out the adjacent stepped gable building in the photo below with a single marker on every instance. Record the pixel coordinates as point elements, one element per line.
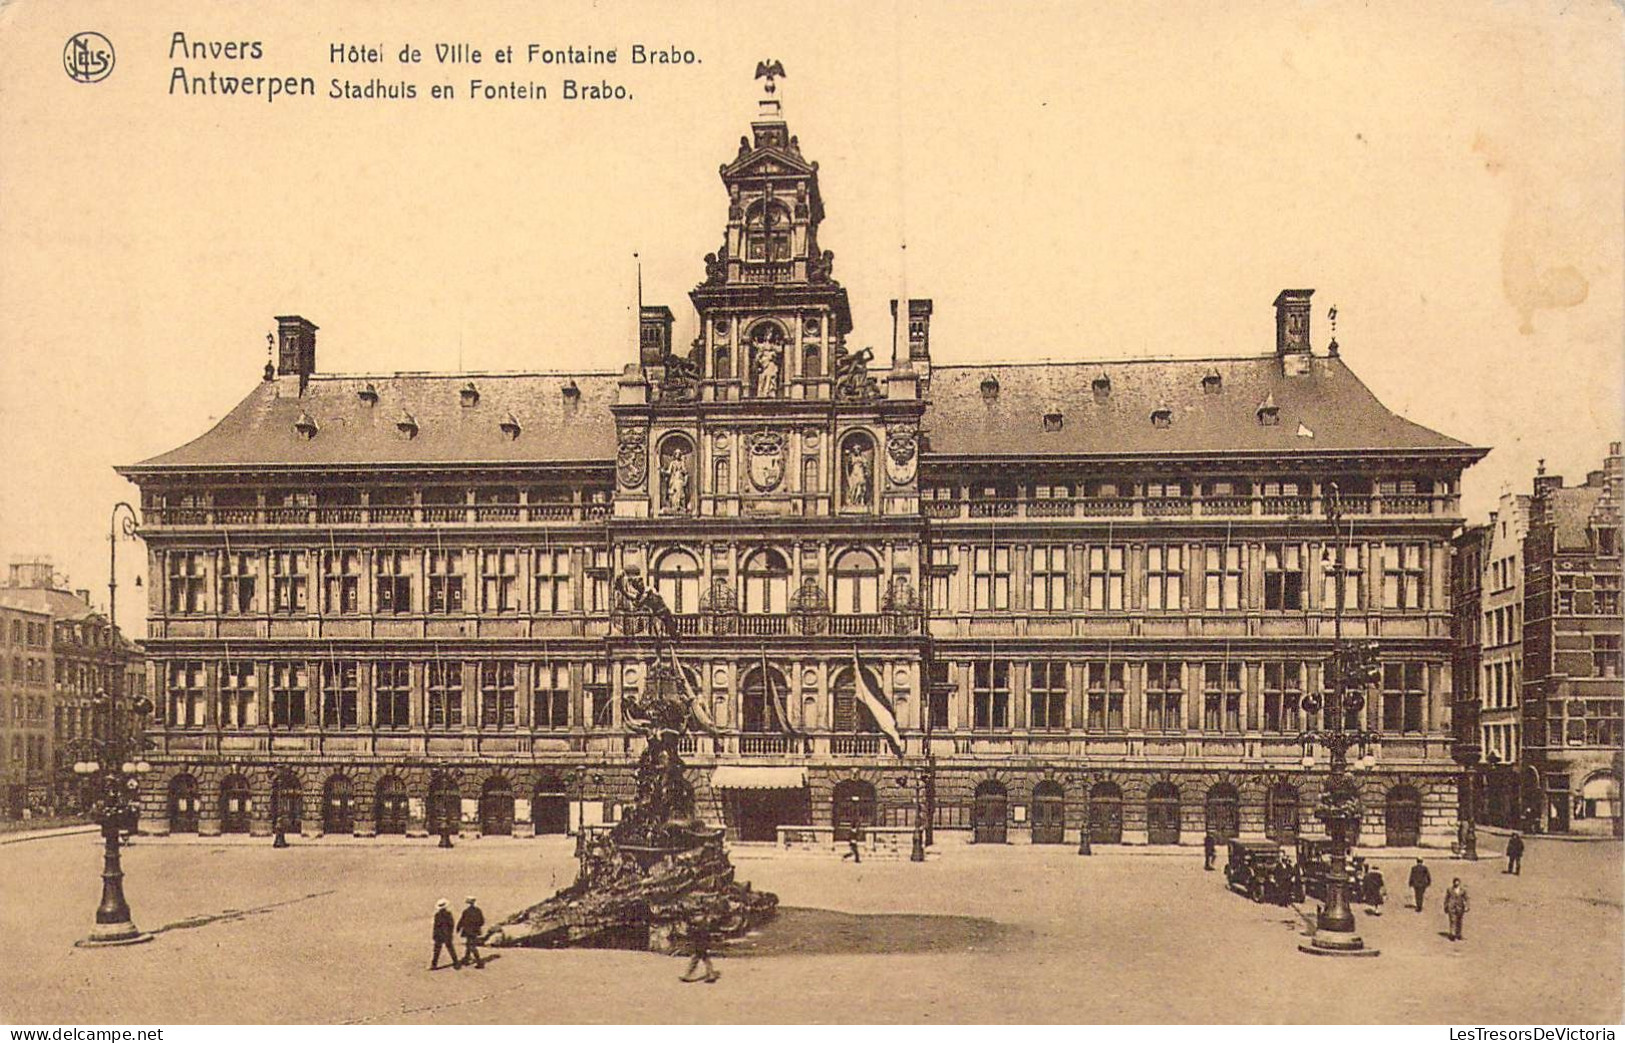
<point>1573,681</point>
<point>1089,593</point>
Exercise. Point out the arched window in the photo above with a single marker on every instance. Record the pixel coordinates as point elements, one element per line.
<point>759,703</point>
<point>850,715</point>
<point>1281,815</point>
<point>677,580</point>
<point>1223,811</point>
<point>857,582</point>
<point>852,805</point>
<point>767,582</point>
<point>767,232</point>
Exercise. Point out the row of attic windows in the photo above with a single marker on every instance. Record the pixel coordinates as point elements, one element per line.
<point>407,427</point>
<point>1268,413</point>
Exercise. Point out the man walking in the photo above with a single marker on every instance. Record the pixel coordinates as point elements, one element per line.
<point>471,925</point>
<point>1455,908</point>
<point>853,839</point>
<point>699,949</point>
<point>1515,854</point>
<point>1210,848</point>
<point>443,936</point>
<point>1420,881</point>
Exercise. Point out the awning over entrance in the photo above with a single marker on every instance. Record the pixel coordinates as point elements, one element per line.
<point>731,776</point>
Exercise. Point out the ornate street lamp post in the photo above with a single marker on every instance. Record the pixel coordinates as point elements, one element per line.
<point>113,771</point>
<point>1339,805</point>
<point>917,849</point>
<point>1086,780</point>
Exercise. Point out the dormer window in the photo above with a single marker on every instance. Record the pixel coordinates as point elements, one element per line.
<point>470,395</point>
<point>1268,413</point>
<point>1103,386</point>
<point>305,427</point>
<point>407,427</point>
<point>1162,416</point>
<point>1212,383</point>
<point>1052,422</point>
<point>510,427</point>
<point>990,389</point>
<point>368,396</point>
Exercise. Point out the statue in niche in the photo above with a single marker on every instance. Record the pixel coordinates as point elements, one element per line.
<point>767,355</point>
<point>679,479</point>
<point>859,473</point>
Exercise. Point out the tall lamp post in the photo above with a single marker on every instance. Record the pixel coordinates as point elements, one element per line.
<point>1339,807</point>
<point>114,768</point>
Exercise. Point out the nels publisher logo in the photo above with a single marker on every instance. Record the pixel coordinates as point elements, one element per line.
<point>88,58</point>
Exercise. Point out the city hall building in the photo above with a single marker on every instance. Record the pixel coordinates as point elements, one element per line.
<point>1090,593</point>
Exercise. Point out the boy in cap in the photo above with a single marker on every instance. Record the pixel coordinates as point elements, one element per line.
<point>471,925</point>
<point>443,936</point>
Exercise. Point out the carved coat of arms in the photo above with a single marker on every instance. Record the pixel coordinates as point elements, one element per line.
<point>902,455</point>
<point>632,458</point>
<point>766,450</point>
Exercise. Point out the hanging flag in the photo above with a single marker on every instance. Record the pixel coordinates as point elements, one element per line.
<point>776,698</point>
<point>696,705</point>
<point>876,704</point>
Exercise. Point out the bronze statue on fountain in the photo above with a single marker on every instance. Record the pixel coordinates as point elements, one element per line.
<point>659,871</point>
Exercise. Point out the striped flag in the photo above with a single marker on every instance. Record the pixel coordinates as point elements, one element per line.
<point>777,698</point>
<point>876,704</point>
<point>696,705</point>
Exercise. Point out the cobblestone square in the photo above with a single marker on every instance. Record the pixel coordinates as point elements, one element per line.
<point>338,931</point>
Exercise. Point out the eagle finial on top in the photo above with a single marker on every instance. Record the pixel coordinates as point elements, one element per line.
<point>769,69</point>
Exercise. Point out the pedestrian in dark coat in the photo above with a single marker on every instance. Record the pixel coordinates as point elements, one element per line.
<point>1420,881</point>
<point>443,936</point>
<point>1210,848</point>
<point>853,839</point>
<point>1455,908</point>
<point>471,925</point>
<point>699,951</point>
<point>1515,854</point>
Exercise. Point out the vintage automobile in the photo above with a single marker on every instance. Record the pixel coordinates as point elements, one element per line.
<point>1251,867</point>
<point>1314,863</point>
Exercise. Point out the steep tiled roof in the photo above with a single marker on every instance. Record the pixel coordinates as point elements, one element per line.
<point>1571,511</point>
<point>1325,408</point>
<point>263,429</point>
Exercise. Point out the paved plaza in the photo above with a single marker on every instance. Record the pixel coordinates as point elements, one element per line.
<point>338,931</point>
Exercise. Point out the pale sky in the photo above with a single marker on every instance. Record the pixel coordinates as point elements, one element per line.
<point>1072,181</point>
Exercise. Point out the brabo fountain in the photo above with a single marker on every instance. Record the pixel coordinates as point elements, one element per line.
<point>659,870</point>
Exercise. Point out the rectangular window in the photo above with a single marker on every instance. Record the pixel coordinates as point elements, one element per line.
<point>1105,696</point>
<point>239,583</point>
<point>553,581</point>
<point>239,697</point>
<point>1106,579</point>
<point>991,577</point>
<point>990,695</point>
<point>186,694</point>
<point>550,698</point>
<point>1351,578</point>
<point>1605,649</point>
<point>339,693</point>
<point>1402,575</point>
<point>1283,692</point>
<point>393,575</point>
<point>1402,697</point>
<point>341,582</point>
<point>1164,697</point>
<point>1607,595</point>
<point>1221,697</point>
<point>937,694</point>
<point>1049,579</point>
<point>1223,577</point>
<point>445,695</point>
<point>1047,692</point>
<point>1283,577</point>
<point>497,695</point>
<point>186,582</point>
<point>290,579</point>
<point>1164,578</point>
<point>597,581</point>
<point>289,684</point>
<point>499,581</point>
<point>392,694</point>
<point>445,582</point>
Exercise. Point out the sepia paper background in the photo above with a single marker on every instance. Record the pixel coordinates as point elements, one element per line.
<point>1071,180</point>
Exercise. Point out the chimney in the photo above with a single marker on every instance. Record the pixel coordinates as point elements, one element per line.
<point>916,334</point>
<point>1292,330</point>
<point>296,347</point>
<point>654,334</point>
<point>1594,479</point>
<point>82,595</point>
<point>1545,483</point>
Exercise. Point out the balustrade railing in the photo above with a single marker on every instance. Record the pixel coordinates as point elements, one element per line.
<point>764,745</point>
<point>1166,506</point>
<point>1278,505</point>
<point>1227,506</point>
<point>854,745</point>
